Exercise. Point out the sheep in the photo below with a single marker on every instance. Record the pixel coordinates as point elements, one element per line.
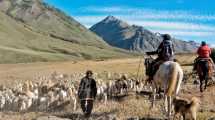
<point>62,95</point>
<point>131,83</point>
<point>51,92</point>
<point>9,99</point>
<point>72,93</point>
<point>15,104</point>
<point>102,92</point>
<point>24,103</point>
<point>43,103</point>
<point>2,87</point>
<point>139,86</point>
<point>32,98</point>
<point>2,101</point>
<point>41,95</point>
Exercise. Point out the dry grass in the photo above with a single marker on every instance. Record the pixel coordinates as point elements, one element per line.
<point>21,72</point>
<point>186,59</point>
<point>19,116</point>
<point>130,106</point>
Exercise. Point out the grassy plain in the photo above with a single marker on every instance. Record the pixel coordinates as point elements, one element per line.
<point>131,106</point>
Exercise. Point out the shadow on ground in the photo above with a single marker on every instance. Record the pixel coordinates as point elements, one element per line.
<point>145,118</point>
<point>95,116</point>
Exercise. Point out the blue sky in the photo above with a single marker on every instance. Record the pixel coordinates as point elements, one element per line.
<point>184,19</point>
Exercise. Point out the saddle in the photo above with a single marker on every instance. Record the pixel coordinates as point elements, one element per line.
<point>203,59</point>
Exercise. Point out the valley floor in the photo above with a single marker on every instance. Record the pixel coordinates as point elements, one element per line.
<point>130,106</point>
<point>22,72</point>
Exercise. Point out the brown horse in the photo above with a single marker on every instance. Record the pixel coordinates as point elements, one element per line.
<point>204,71</point>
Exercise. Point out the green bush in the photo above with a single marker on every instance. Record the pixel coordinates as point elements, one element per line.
<point>213,54</point>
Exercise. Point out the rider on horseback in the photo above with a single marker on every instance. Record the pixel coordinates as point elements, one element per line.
<point>165,52</point>
<point>204,65</point>
<point>204,52</point>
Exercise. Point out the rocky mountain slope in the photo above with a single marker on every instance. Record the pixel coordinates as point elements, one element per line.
<point>31,31</point>
<point>135,38</point>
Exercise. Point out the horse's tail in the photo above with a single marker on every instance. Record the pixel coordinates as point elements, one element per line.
<point>172,80</point>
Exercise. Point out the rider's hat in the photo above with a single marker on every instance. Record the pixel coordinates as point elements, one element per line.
<point>166,37</point>
<point>203,43</point>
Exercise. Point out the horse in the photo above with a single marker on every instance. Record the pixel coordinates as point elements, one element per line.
<point>204,71</point>
<point>169,78</point>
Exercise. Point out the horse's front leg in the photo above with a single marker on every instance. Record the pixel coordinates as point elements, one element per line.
<point>165,104</point>
<point>169,98</point>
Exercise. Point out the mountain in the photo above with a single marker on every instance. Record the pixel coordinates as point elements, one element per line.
<point>32,31</point>
<point>135,38</point>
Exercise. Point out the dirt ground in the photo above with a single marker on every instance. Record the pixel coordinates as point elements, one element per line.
<point>131,106</point>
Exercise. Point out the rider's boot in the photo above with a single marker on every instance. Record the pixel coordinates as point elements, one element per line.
<point>195,66</point>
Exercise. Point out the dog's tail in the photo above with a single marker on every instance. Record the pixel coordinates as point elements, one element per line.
<point>194,102</point>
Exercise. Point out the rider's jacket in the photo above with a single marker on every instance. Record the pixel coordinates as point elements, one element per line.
<point>87,88</point>
<point>204,51</point>
<point>166,50</point>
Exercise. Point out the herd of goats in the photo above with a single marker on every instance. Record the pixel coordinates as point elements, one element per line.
<point>60,90</point>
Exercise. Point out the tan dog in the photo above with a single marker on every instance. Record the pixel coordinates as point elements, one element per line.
<point>188,109</point>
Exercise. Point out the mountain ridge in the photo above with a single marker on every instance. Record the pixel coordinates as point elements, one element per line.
<point>134,38</point>
<point>31,31</point>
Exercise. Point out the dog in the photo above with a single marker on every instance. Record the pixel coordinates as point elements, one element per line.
<point>187,109</point>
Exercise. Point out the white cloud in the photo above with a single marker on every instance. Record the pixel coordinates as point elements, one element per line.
<point>212,45</point>
<point>151,13</point>
<point>173,25</point>
<point>178,23</point>
<point>185,33</point>
<point>162,25</point>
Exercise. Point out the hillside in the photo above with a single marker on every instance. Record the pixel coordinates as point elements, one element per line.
<point>49,20</point>
<point>135,38</point>
<point>31,31</point>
